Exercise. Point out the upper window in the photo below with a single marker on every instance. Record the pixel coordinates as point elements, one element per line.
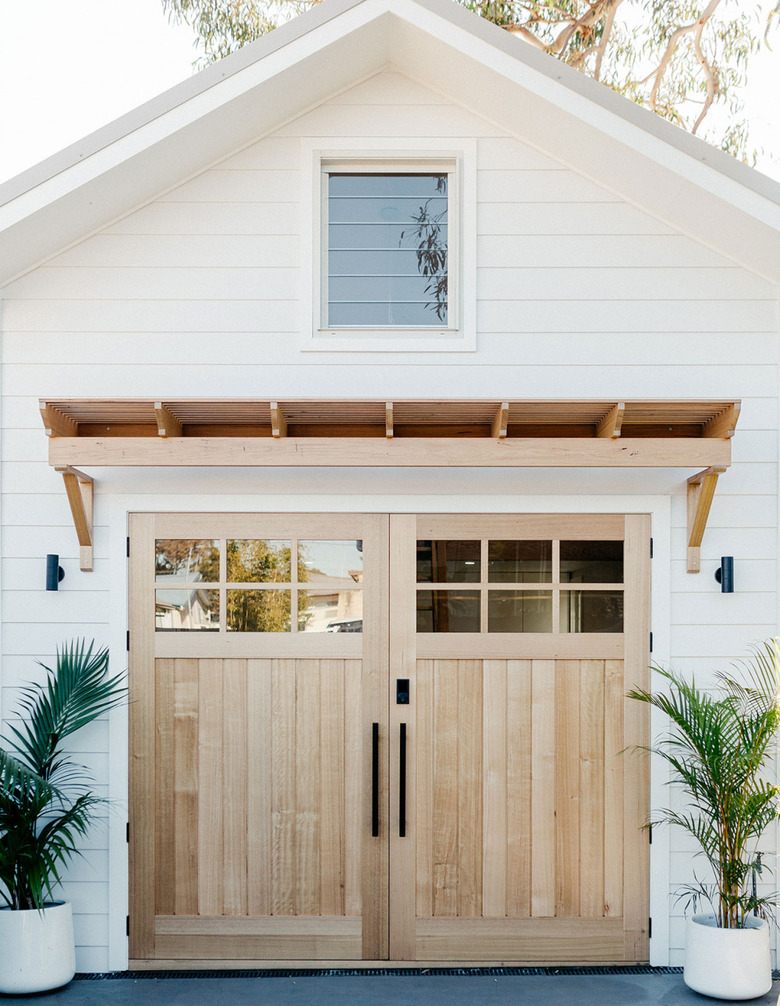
<point>387,260</point>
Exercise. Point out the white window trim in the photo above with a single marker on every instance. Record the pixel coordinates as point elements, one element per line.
<point>457,158</point>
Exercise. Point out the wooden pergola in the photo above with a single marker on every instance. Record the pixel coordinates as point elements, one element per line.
<point>366,433</point>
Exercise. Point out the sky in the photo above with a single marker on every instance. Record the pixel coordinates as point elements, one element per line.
<point>68,67</point>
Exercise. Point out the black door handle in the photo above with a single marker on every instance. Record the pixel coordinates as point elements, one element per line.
<point>402,784</point>
<point>374,780</point>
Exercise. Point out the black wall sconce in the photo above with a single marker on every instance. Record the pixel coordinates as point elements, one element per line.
<point>725,574</point>
<point>54,572</point>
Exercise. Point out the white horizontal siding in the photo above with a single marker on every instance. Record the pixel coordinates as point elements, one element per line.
<point>196,294</point>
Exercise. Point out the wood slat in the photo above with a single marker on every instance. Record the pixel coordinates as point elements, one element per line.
<point>185,785</point>
<point>211,790</point>
<point>307,787</point>
<point>445,789</point>
<point>284,851</point>
<point>592,863</point>
<point>519,837</point>
<point>497,790</point>
<point>470,788</point>
<point>235,818</point>
<point>260,787</point>
<point>544,767</point>
<point>163,829</point>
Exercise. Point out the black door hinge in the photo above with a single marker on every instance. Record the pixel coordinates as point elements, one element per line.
<point>128,548</point>
<point>651,643</point>
<point>650,929</point>
<point>128,641</point>
<point>649,833</point>
<point>127,925</point>
<point>651,547</point>
<point>127,833</point>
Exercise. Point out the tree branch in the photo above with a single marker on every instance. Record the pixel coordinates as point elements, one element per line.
<point>674,41</point>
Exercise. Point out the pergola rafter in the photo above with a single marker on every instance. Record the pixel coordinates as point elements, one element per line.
<point>402,433</point>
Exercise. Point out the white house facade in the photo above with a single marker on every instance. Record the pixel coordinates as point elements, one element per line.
<point>390,394</point>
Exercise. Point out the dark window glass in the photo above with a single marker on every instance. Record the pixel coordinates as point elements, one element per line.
<point>591,562</point>
<point>591,611</point>
<point>520,561</point>
<point>448,611</point>
<point>448,562</point>
<point>519,611</point>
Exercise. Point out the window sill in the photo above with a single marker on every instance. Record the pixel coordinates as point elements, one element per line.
<point>383,340</point>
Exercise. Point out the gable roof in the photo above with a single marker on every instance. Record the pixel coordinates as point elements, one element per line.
<point>649,162</point>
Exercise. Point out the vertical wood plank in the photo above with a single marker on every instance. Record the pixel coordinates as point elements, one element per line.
<point>283,781</point>
<point>355,796</point>
<point>592,864</point>
<point>143,720</point>
<point>495,892</point>
<point>259,787</point>
<point>307,787</point>
<point>185,786</point>
<point>567,827</point>
<point>425,733</point>
<point>614,760</point>
<point>636,719</point>
<point>234,819</point>
<point>210,787</point>
<point>402,659</point>
<point>374,698</point>
<point>331,796</point>
<point>518,788</point>
<point>544,788</point>
<point>164,818</point>
<point>469,792</point>
<point>445,789</point>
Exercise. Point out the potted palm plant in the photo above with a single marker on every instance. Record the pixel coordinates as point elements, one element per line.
<point>719,747</point>
<point>45,807</point>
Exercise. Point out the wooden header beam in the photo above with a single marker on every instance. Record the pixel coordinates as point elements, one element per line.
<point>414,452</point>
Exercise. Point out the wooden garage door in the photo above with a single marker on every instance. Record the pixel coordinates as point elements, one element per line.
<point>354,737</point>
<point>254,699</point>
<point>517,833</point>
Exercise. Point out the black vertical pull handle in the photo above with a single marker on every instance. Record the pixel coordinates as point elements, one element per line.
<point>402,784</point>
<point>374,780</point>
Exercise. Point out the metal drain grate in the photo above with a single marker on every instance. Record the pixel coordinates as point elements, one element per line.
<point>640,969</point>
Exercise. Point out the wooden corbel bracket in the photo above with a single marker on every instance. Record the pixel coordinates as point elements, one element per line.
<point>79,488</point>
<point>701,489</point>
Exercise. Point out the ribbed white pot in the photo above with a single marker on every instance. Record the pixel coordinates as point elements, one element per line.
<point>37,951</point>
<point>727,963</point>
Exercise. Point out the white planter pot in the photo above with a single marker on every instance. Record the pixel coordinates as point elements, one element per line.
<point>727,963</point>
<point>37,951</point>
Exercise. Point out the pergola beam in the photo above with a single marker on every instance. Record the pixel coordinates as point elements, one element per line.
<point>701,490</point>
<point>414,452</point>
<point>724,424</point>
<point>500,422</point>
<point>278,422</point>
<point>389,420</point>
<point>611,425</point>
<point>79,489</point>
<point>56,423</point>
<point>167,424</point>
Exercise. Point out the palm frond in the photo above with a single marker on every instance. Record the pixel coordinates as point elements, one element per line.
<point>45,802</point>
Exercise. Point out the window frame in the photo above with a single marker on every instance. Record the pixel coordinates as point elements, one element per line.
<point>459,335</point>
